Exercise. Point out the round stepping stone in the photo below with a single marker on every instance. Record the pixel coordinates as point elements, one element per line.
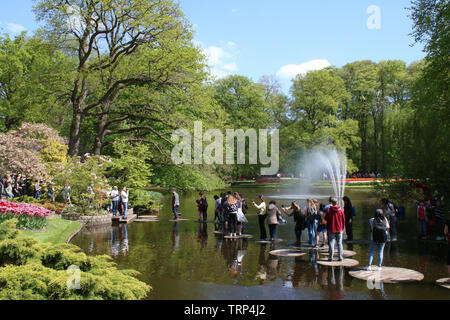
<point>147,217</point>
<point>179,220</point>
<point>344,263</point>
<point>233,237</point>
<point>445,283</point>
<point>345,253</point>
<point>146,220</point>
<point>308,247</point>
<point>357,241</point>
<point>247,236</point>
<point>388,275</point>
<point>268,241</point>
<point>219,232</point>
<point>287,253</point>
<point>207,221</point>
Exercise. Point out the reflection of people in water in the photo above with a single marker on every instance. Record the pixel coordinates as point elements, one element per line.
<point>175,237</point>
<point>336,288</point>
<point>115,241</point>
<point>261,274</point>
<point>124,238</point>
<point>234,252</point>
<point>203,234</point>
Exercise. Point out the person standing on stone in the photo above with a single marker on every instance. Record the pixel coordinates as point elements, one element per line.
<point>348,211</point>
<point>115,198</point>
<point>335,221</point>
<point>175,204</point>
<point>273,214</point>
<point>379,225</point>
<point>124,196</point>
<point>204,206</point>
<point>261,216</point>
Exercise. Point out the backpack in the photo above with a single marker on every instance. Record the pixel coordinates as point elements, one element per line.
<point>354,211</point>
<point>379,234</point>
<point>244,206</point>
<point>231,208</point>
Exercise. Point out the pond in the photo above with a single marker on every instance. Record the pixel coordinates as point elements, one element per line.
<point>187,261</point>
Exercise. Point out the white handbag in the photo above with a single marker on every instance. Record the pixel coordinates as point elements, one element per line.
<point>241,216</point>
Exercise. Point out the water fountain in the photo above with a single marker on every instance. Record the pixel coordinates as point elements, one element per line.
<point>326,164</point>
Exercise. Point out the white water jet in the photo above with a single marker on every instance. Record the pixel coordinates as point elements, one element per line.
<point>327,164</point>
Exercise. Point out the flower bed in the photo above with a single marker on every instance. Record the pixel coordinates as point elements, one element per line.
<point>28,216</point>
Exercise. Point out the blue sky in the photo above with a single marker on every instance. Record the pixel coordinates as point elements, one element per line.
<point>280,38</point>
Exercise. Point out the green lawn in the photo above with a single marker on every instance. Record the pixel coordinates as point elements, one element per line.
<point>58,230</point>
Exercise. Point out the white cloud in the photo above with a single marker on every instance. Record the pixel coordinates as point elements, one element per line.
<point>290,71</point>
<point>220,59</point>
<point>14,27</point>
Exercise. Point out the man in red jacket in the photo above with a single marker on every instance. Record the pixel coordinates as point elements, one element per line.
<point>335,220</point>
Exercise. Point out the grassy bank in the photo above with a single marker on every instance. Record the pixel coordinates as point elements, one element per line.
<point>58,230</point>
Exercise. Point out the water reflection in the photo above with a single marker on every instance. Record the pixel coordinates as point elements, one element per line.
<point>203,235</point>
<point>233,251</point>
<point>175,238</point>
<point>119,240</point>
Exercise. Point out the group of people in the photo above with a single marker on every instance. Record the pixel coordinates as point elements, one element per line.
<point>119,201</point>
<point>15,185</point>
<point>430,214</point>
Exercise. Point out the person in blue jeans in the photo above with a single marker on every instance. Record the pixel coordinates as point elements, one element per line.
<point>377,240</point>
<point>175,204</point>
<point>124,197</point>
<point>311,212</point>
<point>115,198</point>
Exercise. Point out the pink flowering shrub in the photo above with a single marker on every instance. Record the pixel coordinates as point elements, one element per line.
<point>29,216</point>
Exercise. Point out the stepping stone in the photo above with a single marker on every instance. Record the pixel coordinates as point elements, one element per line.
<point>345,253</point>
<point>247,236</point>
<point>146,220</point>
<point>147,217</point>
<point>357,242</point>
<point>207,221</point>
<point>445,283</point>
<point>219,232</point>
<point>388,275</point>
<point>268,241</point>
<point>308,247</point>
<point>179,220</point>
<point>233,237</point>
<point>344,263</point>
<point>287,253</point>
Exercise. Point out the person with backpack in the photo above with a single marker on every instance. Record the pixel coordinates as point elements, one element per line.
<point>261,216</point>
<point>299,218</point>
<point>379,226</point>
<point>231,208</point>
<point>335,221</point>
<point>217,213</point>
<point>348,211</point>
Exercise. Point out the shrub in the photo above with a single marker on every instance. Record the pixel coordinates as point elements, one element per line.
<point>34,270</point>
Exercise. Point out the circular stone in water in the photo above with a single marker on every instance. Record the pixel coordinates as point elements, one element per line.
<point>146,220</point>
<point>247,236</point>
<point>233,237</point>
<point>444,282</point>
<point>345,253</point>
<point>357,241</point>
<point>287,253</point>
<point>308,247</point>
<point>344,263</point>
<point>268,241</point>
<point>179,220</point>
<point>219,232</point>
<point>388,275</point>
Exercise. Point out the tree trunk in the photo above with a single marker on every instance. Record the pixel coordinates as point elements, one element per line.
<point>100,138</point>
<point>375,143</point>
<point>363,132</point>
<point>74,140</point>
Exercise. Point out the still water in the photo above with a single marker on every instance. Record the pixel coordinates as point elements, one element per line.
<point>186,260</point>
